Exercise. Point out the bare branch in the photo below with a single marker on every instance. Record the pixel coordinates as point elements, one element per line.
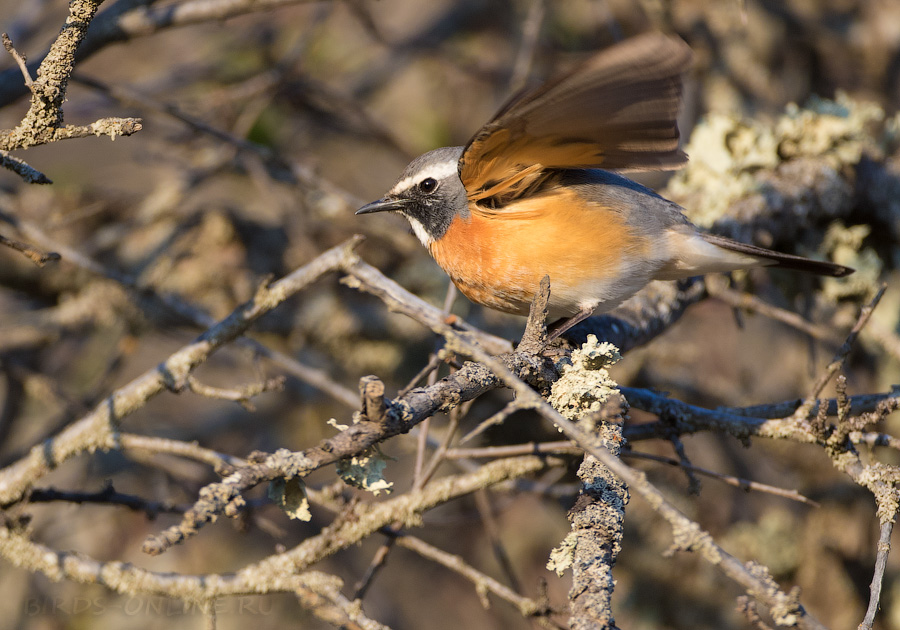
<point>366,278</point>
<point>36,256</point>
<point>20,60</point>
<point>128,19</point>
<point>23,169</point>
<point>762,420</point>
<point>107,496</point>
<point>220,462</point>
<point>884,548</point>
<point>318,591</point>
<point>718,289</point>
<point>345,532</point>
<point>527,607</point>
<point>743,484</point>
<point>688,535</point>
<point>241,396</point>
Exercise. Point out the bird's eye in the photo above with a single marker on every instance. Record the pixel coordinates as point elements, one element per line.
<point>428,185</point>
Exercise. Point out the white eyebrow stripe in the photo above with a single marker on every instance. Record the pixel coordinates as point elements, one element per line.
<point>438,171</point>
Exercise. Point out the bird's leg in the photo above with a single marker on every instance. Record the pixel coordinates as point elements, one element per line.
<point>562,325</point>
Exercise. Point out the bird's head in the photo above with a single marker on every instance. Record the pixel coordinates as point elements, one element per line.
<point>428,193</point>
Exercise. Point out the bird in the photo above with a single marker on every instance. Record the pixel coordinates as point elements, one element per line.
<point>539,191</point>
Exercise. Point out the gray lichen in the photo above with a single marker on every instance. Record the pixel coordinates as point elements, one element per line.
<point>585,384</point>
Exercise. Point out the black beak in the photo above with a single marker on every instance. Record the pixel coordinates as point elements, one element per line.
<point>385,204</point>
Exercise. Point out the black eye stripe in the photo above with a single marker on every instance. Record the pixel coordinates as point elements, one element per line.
<point>428,185</point>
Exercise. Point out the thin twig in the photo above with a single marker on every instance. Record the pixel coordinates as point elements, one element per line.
<point>561,447</point>
<point>884,548</point>
<point>495,419</point>
<point>31,252</point>
<point>527,607</point>
<point>752,303</point>
<point>20,59</point>
<point>434,361</point>
<point>737,482</point>
<point>839,357</point>
<point>189,450</point>
<point>438,456</point>
<point>107,496</point>
<point>241,396</point>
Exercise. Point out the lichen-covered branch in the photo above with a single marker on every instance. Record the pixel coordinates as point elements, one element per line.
<point>43,123</point>
<point>282,572</point>
<point>319,591</point>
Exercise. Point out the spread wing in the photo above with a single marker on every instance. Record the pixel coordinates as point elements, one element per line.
<point>616,110</point>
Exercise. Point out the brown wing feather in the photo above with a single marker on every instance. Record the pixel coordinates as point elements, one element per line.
<point>616,110</point>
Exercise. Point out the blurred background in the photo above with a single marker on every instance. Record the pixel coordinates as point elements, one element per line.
<point>261,135</point>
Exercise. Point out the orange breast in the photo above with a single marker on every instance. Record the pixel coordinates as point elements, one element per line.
<point>498,257</point>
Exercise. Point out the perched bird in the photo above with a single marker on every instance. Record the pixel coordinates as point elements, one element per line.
<point>526,198</point>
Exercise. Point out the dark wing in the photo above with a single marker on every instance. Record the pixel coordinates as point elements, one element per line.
<point>616,110</point>
<point>777,259</point>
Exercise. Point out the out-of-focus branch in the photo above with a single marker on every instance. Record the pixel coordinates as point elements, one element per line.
<point>128,19</point>
<point>107,496</point>
<point>182,308</point>
<point>642,318</point>
<point>36,256</point>
<point>268,575</point>
<point>745,301</point>
<point>527,607</point>
<point>97,429</point>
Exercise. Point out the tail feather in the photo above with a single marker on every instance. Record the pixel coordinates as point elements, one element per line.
<point>777,259</point>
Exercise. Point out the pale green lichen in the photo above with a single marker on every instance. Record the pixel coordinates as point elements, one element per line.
<point>334,423</point>
<point>846,247</point>
<point>773,541</point>
<point>585,384</point>
<point>562,556</point>
<point>365,470</point>
<point>839,130</point>
<point>290,496</point>
<point>726,151</point>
